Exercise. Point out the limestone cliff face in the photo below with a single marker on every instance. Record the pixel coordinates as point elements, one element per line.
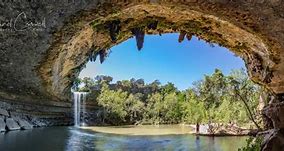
<point>44,44</point>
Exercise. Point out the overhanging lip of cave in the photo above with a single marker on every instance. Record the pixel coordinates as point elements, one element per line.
<point>65,60</point>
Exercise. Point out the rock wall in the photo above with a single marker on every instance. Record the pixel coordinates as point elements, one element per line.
<point>274,121</point>
<point>16,115</point>
<point>92,115</point>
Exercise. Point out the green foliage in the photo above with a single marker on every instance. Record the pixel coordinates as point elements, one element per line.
<point>113,103</point>
<point>171,108</point>
<point>76,84</point>
<point>134,106</point>
<point>193,110</point>
<point>168,88</point>
<point>217,98</point>
<point>88,84</point>
<point>252,144</point>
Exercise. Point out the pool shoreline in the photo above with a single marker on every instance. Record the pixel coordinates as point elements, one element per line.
<point>151,130</point>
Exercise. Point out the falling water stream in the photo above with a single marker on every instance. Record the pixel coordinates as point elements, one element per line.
<point>79,103</point>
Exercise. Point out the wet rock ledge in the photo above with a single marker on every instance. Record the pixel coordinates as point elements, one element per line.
<point>8,123</point>
<point>24,115</point>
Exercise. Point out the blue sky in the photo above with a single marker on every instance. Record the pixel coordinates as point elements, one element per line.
<point>165,59</point>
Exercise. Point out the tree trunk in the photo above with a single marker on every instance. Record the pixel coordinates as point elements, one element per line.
<point>250,114</point>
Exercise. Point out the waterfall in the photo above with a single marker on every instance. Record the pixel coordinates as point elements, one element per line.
<point>79,100</point>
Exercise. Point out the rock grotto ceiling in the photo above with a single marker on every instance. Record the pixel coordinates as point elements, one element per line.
<point>45,44</point>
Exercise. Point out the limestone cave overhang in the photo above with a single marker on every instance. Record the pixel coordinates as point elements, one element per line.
<point>94,32</point>
<point>45,64</point>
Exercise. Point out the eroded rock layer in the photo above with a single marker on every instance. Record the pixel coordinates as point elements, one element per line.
<point>16,115</point>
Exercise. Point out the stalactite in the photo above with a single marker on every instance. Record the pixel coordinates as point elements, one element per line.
<point>181,36</point>
<point>93,56</point>
<point>153,25</point>
<point>160,32</point>
<point>188,36</point>
<point>139,35</point>
<point>114,28</point>
<point>103,54</point>
<point>90,58</point>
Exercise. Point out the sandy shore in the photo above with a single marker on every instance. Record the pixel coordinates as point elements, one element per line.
<point>143,129</point>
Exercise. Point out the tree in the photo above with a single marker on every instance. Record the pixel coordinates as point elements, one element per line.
<point>113,103</point>
<point>153,108</point>
<point>134,106</point>
<point>246,91</point>
<point>76,84</point>
<point>193,110</point>
<point>217,98</point>
<point>155,86</point>
<point>171,108</point>
<point>88,84</point>
<point>168,88</point>
<point>101,78</point>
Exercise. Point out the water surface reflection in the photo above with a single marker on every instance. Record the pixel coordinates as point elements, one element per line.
<point>74,139</point>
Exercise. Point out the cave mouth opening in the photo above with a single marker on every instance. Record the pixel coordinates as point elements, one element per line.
<point>171,53</point>
<point>98,33</point>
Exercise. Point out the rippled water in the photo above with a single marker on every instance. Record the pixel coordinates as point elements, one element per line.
<point>74,139</point>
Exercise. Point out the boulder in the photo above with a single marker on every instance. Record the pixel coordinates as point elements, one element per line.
<point>2,125</point>
<point>24,124</point>
<point>38,122</point>
<point>274,114</point>
<point>274,141</point>
<point>4,112</point>
<point>12,124</point>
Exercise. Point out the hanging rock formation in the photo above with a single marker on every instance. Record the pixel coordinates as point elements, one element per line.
<point>181,36</point>
<point>103,54</point>
<point>139,35</point>
<point>114,28</point>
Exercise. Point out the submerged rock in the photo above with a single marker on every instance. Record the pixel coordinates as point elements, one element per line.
<point>12,124</point>
<point>2,125</point>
